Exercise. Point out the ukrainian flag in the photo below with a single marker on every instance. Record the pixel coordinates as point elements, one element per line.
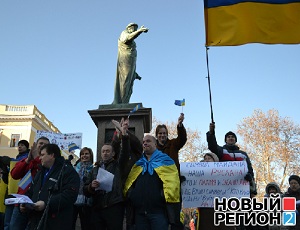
<point>26,181</point>
<point>238,22</point>
<point>180,102</point>
<point>165,168</point>
<point>72,147</point>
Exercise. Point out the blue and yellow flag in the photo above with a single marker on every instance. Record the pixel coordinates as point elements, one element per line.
<point>26,181</point>
<point>238,22</point>
<point>180,102</point>
<point>166,170</point>
<point>72,147</point>
<point>135,109</point>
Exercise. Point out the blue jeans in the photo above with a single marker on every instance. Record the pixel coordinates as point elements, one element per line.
<point>18,220</point>
<point>7,216</point>
<point>151,221</point>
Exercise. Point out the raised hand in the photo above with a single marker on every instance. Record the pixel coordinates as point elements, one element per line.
<point>33,153</point>
<point>212,127</point>
<point>125,126</point>
<point>180,119</point>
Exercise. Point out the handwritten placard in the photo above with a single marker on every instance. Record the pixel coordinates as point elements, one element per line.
<point>207,180</point>
<point>61,139</point>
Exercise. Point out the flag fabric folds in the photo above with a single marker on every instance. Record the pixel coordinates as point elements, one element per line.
<point>238,22</point>
<point>180,102</point>
<point>26,181</point>
<point>165,168</point>
<point>135,108</point>
<point>72,147</point>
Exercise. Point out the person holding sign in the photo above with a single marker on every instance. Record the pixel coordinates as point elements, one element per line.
<point>108,203</point>
<point>230,152</point>
<point>205,219</point>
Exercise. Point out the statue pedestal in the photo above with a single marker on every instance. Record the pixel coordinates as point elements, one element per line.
<point>140,121</point>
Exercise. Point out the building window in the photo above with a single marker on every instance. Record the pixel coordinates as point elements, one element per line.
<point>14,140</point>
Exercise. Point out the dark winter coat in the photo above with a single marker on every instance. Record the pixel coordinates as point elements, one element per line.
<point>135,149</point>
<point>60,189</point>
<point>102,199</point>
<point>295,194</point>
<point>228,152</point>
<point>172,147</point>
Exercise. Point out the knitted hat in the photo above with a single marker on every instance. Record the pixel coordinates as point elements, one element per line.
<point>294,177</point>
<point>230,133</point>
<point>213,155</point>
<point>24,142</point>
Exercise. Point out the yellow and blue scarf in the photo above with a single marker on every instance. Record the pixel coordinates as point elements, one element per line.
<point>166,170</point>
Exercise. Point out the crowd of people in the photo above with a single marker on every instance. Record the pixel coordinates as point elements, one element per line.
<point>134,185</point>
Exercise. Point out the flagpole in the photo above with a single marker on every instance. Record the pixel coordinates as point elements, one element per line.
<point>209,89</point>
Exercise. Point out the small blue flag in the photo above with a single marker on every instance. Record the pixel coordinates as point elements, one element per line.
<point>72,147</point>
<point>180,102</point>
<point>135,109</point>
<point>26,181</point>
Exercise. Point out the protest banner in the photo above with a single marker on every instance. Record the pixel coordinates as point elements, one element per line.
<point>63,140</point>
<point>207,180</point>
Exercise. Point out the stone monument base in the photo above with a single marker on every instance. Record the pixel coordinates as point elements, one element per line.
<point>140,121</point>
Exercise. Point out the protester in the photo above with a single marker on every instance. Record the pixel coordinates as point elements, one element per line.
<point>294,191</point>
<point>152,189</point>
<point>108,205</point>
<point>210,157</point>
<point>272,188</point>
<point>82,206</point>
<point>204,217</point>
<point>54,191</point>
<point>135,153</point>
<point>171,146</point>
<point>135,144</point>
<point>230,152</point>
<point>194,221</point>
<point>28,165</point>
<point>23,150</point>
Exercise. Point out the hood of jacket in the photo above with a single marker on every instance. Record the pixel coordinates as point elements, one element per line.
<point>272,184</point>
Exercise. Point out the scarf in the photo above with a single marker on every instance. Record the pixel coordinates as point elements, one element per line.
<point>166,170</point>
<point>157,159</point>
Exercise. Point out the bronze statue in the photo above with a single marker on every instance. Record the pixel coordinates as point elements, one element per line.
<point>126,65</point>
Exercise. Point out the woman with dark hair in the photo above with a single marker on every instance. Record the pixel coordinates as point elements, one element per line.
<point>82,204</point>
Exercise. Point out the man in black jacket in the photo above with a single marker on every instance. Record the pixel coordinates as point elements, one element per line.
<point>108,206</point>
<point>230,152</point>
<point>53,191</point>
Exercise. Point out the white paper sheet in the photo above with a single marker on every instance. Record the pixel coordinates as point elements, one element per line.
<point>106,180</point>
<point>20,199</point>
